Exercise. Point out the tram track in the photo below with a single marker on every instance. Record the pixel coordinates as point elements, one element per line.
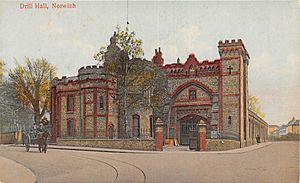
<point>96,158</point>
<point>108,164</point>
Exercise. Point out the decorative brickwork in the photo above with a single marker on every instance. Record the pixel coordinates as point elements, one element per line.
<point>213,91</point>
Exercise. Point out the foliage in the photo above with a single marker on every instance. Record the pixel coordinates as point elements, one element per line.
<point>122,41</point>
<point>147,86</point>
<point>32,84</point>
<point>2,64</point>
<point>288,137</point>
<point>12,110</point>
<point>144,82</point>
<point>140,83</point>
<point>253,104</point>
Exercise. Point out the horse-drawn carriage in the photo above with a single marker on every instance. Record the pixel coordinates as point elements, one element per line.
<point>38,137</point>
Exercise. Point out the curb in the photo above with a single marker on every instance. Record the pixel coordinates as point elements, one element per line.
<point>91,149</point>
<point>24,167</point>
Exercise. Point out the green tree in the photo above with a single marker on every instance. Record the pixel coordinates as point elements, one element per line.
<point>140,83</point>
<point>13,113</point>
<point>2,64</point>
<point>253,105</point>
<point>32,84</point>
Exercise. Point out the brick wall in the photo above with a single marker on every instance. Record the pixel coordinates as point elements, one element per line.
<point>7,138</point>
<point>136,144</point>
<point>221,144</point>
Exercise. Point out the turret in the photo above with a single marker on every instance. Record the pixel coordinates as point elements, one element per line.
<point>157,58</point>
<point>233,48</point>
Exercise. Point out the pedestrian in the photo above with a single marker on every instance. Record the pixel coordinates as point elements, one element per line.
<point>23,137</point>
<point>257,139</point>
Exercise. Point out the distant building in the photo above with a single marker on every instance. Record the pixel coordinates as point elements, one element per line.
<point>272,129</point>
<point>294,126</point>
<point>283,130</point>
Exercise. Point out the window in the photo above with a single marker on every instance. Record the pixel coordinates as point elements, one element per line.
<point>229,120</point>
<point>136,125</point>
<point>111,131</point>
<point>151,127</point>
<point>71,128</point>
<point>192,94</point>
<point>171,133</point>
<point>101,102</point>
<point>192,70</point>
<point>70,103</point>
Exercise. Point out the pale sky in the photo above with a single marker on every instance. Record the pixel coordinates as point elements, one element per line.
<point>68,38</point>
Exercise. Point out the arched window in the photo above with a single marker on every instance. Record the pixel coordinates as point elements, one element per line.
<point>136,125</point>
<point>71,125</point>
<point>151,127</point>
<point>70,103</point>
<point>229,120</point>
<point>111,131</point>
<point>101,102</point>
<point>192,70</point>
<point>192,94</point>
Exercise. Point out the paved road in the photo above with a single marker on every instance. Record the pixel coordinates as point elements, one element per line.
<point>278,162</point>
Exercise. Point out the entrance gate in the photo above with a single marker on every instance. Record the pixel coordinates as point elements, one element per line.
<point>187,128</point>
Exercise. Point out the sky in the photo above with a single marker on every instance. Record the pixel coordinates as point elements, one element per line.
<point>68,38</point>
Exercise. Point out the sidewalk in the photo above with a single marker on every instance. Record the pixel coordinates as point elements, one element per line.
<point>174,149</point>
<point>13,172</point>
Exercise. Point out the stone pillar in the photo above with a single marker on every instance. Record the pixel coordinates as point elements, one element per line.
<point>201,135</point>
<point>159,137</point>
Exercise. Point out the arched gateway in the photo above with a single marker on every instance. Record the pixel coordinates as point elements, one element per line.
<point>188,127</point>
<point>191,102</point>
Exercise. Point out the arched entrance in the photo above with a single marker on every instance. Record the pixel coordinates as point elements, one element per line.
<point>188,128</point>
<point>111,131</point>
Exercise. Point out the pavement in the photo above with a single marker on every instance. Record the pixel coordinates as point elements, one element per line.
<point>166,149</point>
<point>15,172</point>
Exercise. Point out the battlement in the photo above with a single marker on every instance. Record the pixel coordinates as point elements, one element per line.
<point>229,48</point>
<point>94,69</point>
<point>232,42</point>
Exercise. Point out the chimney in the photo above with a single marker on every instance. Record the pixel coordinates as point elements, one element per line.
<point>157,58</point>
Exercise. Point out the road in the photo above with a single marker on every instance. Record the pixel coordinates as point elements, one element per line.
<point>278,162</point>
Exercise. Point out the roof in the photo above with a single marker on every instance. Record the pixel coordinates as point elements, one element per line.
<point>294,122</point>
<point>274,126</point>
<point>71,78</point>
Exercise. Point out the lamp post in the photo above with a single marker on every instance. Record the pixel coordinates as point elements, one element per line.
<point>125,97</point>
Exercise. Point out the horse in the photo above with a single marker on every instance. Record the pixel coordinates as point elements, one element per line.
<point>42,141</point>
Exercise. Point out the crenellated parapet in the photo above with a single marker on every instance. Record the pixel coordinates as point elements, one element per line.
<point>94,69</point>
<point>232,48</point>
<point>93,72</point>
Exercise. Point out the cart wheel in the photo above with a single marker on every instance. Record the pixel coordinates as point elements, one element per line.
<point>45,148</point>
<point>27,147</point>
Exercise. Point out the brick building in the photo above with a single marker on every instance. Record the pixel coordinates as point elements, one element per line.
<point>82,106</point>
<point>215,92</point>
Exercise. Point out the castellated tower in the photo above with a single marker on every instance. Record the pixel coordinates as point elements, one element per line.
<point>234,90</point>
<point>83,106</point>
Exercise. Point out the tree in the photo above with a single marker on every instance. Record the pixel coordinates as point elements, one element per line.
<point>140,83</point>
<point>253,104</point>
<point>32,84</point>
<point>2,64</point>
<point>13,112</point>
